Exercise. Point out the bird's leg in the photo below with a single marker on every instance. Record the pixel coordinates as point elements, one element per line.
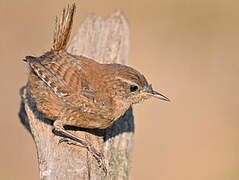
<point>74,140</point>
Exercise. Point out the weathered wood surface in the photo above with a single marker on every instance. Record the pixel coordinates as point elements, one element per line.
<point>106,41</point>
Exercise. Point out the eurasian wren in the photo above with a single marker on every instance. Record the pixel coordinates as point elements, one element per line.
<point>78,91</point>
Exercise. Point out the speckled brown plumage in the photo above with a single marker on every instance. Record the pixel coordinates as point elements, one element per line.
<point>78,91</point>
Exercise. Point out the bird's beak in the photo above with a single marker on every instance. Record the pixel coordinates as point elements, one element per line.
<point>159,96</point>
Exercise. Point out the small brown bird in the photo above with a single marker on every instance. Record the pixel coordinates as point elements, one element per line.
<point>78,91</point>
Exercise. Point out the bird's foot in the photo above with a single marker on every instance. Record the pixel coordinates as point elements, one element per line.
<point>83,143</point>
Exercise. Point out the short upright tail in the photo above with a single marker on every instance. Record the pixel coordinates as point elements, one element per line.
<point>63,28</point>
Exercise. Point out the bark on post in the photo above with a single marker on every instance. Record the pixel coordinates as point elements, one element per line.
<point>106,41</point>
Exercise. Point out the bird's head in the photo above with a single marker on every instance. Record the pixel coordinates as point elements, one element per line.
<point>130,86</point>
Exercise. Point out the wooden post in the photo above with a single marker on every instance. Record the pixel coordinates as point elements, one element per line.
<point>106,41</point>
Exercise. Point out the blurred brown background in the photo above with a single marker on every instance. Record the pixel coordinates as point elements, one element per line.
<point>188,49</point>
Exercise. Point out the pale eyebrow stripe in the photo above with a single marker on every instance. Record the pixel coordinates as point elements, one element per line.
<point>126,80</point>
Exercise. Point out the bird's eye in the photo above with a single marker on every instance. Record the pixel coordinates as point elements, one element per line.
<point>133,88</point>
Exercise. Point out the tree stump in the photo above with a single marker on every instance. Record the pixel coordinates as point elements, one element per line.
<point>106,41</point>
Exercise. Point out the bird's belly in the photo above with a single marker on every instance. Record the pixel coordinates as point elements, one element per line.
<point>79,118</point>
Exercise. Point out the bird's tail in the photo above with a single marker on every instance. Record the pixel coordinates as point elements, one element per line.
<point>63,28</point>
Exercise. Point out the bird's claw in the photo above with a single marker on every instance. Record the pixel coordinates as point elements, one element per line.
<point>96,154</point>
<point>64,140</point>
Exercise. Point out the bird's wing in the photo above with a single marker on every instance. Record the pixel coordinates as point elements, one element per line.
<point>64,74</point>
